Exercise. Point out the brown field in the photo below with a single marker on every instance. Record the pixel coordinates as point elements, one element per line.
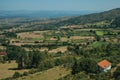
<point>39,49</point>
<point>43,49</point>
<point>19,44</point>
<point>34,34</point>
<point>51,74</point>
<point>87,29</point>
<point>53,39</point>
<point>72,26</point>
<point>77,37</point>
<point>6,69</point>
<point>81,37</point>
<point>64,39</point>
<point>60,49</point>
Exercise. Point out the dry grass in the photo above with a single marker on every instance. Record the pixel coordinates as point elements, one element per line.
<point>64,39</point>
<point>60,49</point>
<point>6,69</point>
<point>72,26</point>
<point>35,34</point>
<point>2,47</point>
<point>51,74</point>
<point>39,49</point>
<point>87,29</point>
<point>52,39</point>
<point>77,37</point>
<point>19,44</point>
<point>43,49</point>
<point>81,37</point>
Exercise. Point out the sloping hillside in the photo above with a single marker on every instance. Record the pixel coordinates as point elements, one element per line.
<point>91,18</point>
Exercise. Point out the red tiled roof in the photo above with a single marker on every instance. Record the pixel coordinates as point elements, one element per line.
<point>104,64</point>
<point>3,53</point>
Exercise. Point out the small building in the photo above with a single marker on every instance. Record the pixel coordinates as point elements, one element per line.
<point>104,65</point>
<point>3,53</point>
<point>2,56</point>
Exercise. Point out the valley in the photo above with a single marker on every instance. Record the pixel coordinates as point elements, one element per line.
<point>67,48</point>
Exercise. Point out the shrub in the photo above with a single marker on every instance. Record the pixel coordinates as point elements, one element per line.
<point>16,75</point>
<point>116,74</point>
<point>32,71</point>
<point>25,73</point>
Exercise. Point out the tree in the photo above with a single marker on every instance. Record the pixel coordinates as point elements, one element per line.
<point>30,59</point>
<point>46,64</point>
<point>116,22</point>
<point>38,57</point>
<point>88,65</point>
<point>76,68</point>
<point>116,74</point>
<point>101,76</point>
<point>16,75</point>
<point>25,73</point>
<point>10,34</point>
<point>58,62</point>
<point>97,38</point>
<point>21,58</point>
<point>26,60</point>
<point>81,76</point>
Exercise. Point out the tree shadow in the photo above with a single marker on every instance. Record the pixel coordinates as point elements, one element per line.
<point>14,69</point>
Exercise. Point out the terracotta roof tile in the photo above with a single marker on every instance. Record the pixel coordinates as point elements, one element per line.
<point>104,64</point>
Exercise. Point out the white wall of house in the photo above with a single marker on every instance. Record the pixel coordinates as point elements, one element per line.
<point>107,69</point>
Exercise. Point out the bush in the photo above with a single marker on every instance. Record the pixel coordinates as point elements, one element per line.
<point>25,73</point>
<point>47,64</point>
<point>85,64</point>
<point>16,75</point>
<point>59,62</point>
<point>116,74</point>
<point>81,76</point>
<point>32,71</point>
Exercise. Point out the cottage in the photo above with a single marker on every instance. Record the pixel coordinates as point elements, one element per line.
<point>3,53</point>
<point>104,65</point>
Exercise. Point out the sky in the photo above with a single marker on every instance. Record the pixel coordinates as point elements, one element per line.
<point>71,5</point>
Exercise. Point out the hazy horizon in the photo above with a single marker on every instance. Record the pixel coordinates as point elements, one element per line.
<point>59,5</point>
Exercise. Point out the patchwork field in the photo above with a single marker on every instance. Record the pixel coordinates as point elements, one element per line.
<point>35,35</point>
<point>60,48</point>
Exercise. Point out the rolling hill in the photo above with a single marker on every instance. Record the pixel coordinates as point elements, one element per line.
<point>42,14</point>
<point>55,23</point>
<point>91,18</point>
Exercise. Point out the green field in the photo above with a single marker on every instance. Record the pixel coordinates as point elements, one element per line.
<point>99,33</point>
<point>98,44</point>
<point>37,38</point>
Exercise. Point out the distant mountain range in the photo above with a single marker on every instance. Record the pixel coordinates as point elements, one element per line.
<point>91,18</point>
<point>43,14</point>
<point>58,18</point>
<point>107,16</point>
